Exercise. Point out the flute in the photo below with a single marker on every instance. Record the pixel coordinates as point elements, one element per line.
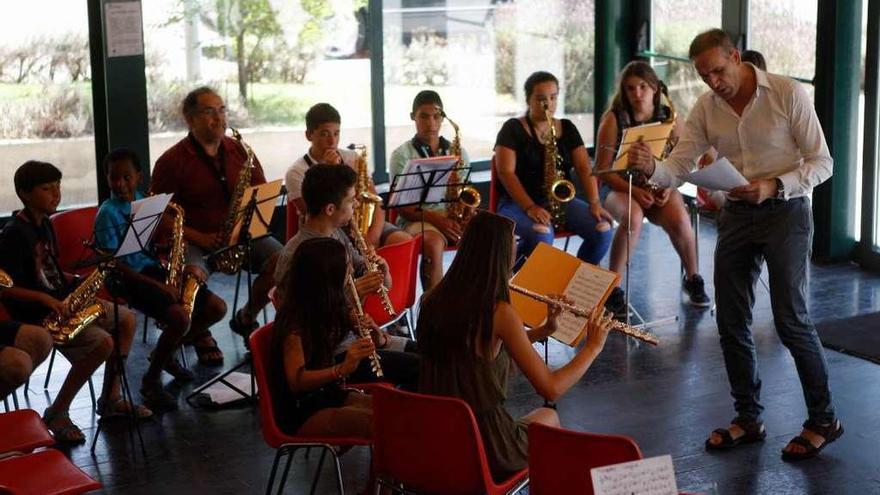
<point>375,366</point>
<point>583,313</point>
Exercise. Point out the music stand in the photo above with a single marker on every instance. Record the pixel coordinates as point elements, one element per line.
<point>245,218</point>
<point>424,182</point>
<point>642,325</point>
<point>139,229</point>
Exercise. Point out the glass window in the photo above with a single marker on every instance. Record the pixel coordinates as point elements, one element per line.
<point>785,32</point>
<point>270,61</point>
<point>46,97</point>
<point>477,54</point>
<point>675,23</point>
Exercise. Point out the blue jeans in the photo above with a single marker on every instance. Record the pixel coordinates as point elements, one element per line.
<point>780,232</point>
<point>578,219</point>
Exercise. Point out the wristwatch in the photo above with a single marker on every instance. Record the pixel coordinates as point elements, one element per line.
<point>780,189</point>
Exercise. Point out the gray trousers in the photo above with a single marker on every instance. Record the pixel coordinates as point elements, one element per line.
<point>780,232</point>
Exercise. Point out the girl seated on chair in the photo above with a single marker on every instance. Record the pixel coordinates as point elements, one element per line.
<point>312,323</point>
<point>469,332</point>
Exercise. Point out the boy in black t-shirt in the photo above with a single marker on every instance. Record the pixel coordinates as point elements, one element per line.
<point>29,254</point>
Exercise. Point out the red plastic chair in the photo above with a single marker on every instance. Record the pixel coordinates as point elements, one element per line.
<point>493,206</point>
<point>403,264</point>
<point>23,431</point>
<point>560,460</point>
<point>430,444</point>
<point>46,472</point>
<point>72,229</point>
<point>273,436</point>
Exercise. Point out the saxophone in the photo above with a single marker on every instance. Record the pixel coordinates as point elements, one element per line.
<point>557,188</point>
<point>372,261</point>
<point>229,260</point>
<point>186,283</point>
<point>79,306</point>
<point>463,199</point>
<point>5,280</point>
<point>362,330</point>
<point>367,200</point>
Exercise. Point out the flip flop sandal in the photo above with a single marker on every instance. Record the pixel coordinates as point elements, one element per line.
<point>69,433</point>
<point>203,351</point>
<point>752,432</point>
<point>121,408</point>
<point>812,451</point>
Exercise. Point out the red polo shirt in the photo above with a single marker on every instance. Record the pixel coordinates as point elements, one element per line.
<point>194,178</point>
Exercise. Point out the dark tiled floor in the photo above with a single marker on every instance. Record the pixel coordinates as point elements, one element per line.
<point>668,398</point>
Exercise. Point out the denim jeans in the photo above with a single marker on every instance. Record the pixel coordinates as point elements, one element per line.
<point>781,233</point>
<point>578,219</point>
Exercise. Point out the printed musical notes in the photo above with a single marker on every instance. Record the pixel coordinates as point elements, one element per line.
<point>652,476</point>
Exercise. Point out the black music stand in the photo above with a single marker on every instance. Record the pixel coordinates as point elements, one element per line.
<point>138,232</point>
<point>421,184</point>
<point>247,214</point>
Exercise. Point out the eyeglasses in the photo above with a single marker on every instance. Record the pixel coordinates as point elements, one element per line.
<point>211,112</point>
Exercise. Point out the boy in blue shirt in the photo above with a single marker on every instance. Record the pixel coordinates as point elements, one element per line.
<point>145,278</point>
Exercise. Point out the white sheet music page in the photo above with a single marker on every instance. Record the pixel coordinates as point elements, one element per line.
<point>417,172</point>
<point>652,476</point>
<point>586,288</point>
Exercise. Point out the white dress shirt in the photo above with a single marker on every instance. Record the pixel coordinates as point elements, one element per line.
<point>778,135</point>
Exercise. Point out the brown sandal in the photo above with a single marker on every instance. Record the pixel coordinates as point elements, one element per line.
<point>753,431</point>
<point>205,347</point>
<point>63,429</point>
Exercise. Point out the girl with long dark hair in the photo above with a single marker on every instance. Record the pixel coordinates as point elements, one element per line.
<point>469,333</point>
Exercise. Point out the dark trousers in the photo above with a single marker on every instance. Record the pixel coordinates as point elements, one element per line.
<point>780,233</point>
<point>400,368</point>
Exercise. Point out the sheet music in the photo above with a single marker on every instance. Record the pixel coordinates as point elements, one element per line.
<point>145,214</point>
<point>720,175</point>
<point>652,476</point>
<point>654,134</point>
<point>265,208</point>
<point>409,184</point>
<point>586,288</point>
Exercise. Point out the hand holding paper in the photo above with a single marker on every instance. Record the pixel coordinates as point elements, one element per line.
<point>718,176</point>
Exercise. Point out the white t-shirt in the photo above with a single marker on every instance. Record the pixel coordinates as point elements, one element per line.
<point>293,178</point>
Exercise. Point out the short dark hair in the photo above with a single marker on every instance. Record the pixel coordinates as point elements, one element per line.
<point>32,173</point>
<point>326,184</point>
<point>755,58</point>
<point>321,113</point>
<point>708,40</point>
<point>426,97</point>
<point>537,78</point>
<point>120,154</point>
<point>191,101</point>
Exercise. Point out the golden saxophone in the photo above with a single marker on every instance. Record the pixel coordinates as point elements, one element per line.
<point>557,188</point>
<point>362,330</point>
<point>79,306</point>
<point>372,261</point>
<point>229,260</point>
<point>584,313</point>
<point>187,284</point>
<point>463,199</point>
<point>367,200</point>
<point>5,280</point>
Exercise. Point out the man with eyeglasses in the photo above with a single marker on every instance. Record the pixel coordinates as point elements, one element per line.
<point>201,170</point>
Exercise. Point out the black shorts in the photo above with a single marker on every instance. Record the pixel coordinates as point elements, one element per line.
<point>152,301</point>
<point>8,332</point>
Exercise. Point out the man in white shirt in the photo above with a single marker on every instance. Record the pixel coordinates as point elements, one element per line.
<point>766,126</point>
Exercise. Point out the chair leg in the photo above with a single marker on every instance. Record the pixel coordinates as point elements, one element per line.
<point>409,324</point>
<point>318,471</point>
<point>565,248</point>
<point>286,471</point>
<point>15,400</point>
<point>278,453</point>
<point>183,356</point>
<point>92,393</point>
<point>146,321</point>
<point>49,371</point>
<point>338,471</point>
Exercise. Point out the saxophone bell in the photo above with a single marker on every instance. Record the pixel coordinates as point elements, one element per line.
<point>562,190</point>
<point>469,197</point>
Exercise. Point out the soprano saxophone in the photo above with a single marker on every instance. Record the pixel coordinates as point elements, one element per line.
<point>372,261</point>
<point>80,308</point>
<point>187,284</point>
<point>229,260</point>
<point>375,365</point>
<point>580,312</point>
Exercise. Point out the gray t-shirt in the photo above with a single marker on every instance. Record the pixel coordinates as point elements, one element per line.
<point>358,263</point>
